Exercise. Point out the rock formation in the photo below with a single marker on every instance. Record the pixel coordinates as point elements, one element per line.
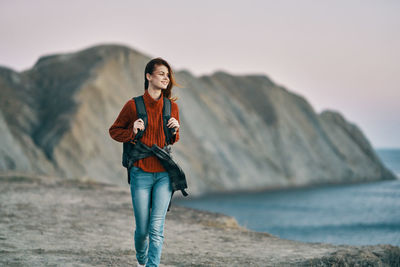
<point>237,132</point>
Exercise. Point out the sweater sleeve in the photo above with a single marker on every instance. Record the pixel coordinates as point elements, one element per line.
<point>175,114</point>
<point>122,128</point>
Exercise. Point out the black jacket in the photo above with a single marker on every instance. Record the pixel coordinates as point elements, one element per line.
<point>134,152</point>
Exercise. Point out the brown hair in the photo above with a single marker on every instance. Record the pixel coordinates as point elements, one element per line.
<point>150,67</point>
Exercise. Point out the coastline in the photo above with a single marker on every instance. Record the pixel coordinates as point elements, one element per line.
<point>50,221</point>
<point>268,189</point>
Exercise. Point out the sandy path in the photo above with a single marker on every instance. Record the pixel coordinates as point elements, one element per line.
<point>46,221</point>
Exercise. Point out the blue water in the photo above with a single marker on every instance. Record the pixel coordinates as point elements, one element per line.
<point>357,214</point>
<point>391,159</point>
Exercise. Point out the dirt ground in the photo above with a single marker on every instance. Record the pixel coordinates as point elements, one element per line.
<point>46,221</point>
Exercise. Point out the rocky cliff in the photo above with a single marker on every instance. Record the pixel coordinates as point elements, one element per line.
<point>237,132</point>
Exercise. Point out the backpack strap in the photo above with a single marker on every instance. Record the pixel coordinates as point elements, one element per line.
<point>166,117</point>
<point>142,114</point>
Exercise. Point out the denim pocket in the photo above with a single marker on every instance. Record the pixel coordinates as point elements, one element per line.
<point>135,169</point>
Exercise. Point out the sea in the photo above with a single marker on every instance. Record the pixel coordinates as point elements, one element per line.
<point>355,214</point>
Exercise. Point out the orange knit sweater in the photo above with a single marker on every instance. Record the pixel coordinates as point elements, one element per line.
<point>122,128</point>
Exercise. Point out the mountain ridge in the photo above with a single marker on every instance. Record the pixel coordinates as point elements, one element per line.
<point>238,131</point>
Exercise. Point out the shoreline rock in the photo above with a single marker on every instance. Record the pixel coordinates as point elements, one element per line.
<point>53,221</point>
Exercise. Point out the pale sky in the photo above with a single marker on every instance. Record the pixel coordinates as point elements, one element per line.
<point>341,55</point>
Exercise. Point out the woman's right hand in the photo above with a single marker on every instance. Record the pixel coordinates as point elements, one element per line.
<point>138,124</point>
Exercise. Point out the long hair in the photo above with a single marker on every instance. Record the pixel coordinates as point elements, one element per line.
<point>150,67</point>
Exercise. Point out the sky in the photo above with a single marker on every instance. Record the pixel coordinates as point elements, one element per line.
<point>341,55</point>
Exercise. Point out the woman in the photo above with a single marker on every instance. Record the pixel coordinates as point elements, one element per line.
<point>149,178</point>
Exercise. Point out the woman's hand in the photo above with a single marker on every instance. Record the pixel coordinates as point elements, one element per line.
<point>173,123</point>
<point>138,124</point>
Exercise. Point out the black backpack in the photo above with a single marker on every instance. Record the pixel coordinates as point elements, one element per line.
<point>127,150</point>
<point>135,149</point>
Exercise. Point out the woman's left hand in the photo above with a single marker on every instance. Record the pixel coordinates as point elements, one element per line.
<point>173,123</point>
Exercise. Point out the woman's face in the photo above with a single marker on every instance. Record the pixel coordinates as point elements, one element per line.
<point>160,77</point>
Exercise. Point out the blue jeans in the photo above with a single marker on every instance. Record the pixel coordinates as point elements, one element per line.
<point>155,189</point>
